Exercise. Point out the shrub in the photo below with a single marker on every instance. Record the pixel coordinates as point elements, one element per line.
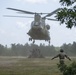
<point>68,70</point>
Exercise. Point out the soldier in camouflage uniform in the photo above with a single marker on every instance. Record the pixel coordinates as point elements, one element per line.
<point>61,56</point>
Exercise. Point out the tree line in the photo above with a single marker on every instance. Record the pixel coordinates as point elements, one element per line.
<point>25,50</point>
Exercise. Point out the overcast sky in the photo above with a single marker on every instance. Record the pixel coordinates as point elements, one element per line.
<point>14,30</point>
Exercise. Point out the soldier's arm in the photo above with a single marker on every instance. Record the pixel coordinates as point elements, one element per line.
<point>67,57</point>
<point>55,57</point>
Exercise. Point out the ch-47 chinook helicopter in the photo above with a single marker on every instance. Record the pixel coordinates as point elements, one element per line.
<point>39,29</point>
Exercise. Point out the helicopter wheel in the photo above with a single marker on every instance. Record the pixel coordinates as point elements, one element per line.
<point>33,41</point>
<point>30,39</point>
<point>49,42</point>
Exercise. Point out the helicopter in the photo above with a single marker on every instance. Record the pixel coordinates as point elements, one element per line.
<point>39,29</point>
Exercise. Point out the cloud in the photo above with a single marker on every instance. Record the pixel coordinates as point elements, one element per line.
<point>34,1</point>
<point>23,25</point>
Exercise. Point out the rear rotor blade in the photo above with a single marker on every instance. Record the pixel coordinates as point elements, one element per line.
<point>17,16</point>
<point>52,19</point>
<point>27,12</point>
<point>50,14</point>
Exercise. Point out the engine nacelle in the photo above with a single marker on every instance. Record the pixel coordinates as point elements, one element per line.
<point>48,27</point>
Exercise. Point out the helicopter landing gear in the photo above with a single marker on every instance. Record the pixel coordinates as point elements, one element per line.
<point>49,42</point>
<point>33,41</point>
<point>30,39</point>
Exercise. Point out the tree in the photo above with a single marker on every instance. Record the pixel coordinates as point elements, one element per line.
<point>2,49</point>
<point>67,14</point>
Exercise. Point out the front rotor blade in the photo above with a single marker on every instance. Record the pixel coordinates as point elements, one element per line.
<point>23,11</point>
<point>34,13</point>
<point>27,12</point>
<point>51,13</point>
<point>17,16</point>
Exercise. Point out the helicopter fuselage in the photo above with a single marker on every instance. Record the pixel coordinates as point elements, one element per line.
<point>38,29</point>
<point>39,32</point>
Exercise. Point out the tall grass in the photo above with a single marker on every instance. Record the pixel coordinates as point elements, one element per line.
<point>29,66</point>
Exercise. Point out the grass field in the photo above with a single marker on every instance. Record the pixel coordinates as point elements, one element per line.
<point>30,66</point>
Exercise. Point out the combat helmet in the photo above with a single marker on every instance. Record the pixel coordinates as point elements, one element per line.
<point>61,50</point>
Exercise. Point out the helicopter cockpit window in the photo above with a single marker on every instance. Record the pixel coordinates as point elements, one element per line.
<point>37,17</point>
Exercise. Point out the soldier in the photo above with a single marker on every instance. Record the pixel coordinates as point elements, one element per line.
<point>61,56</point>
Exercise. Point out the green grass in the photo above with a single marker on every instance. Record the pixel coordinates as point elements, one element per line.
<point>29,66</point>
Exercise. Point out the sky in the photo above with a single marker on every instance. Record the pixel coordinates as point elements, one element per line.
<point>14,30</point>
